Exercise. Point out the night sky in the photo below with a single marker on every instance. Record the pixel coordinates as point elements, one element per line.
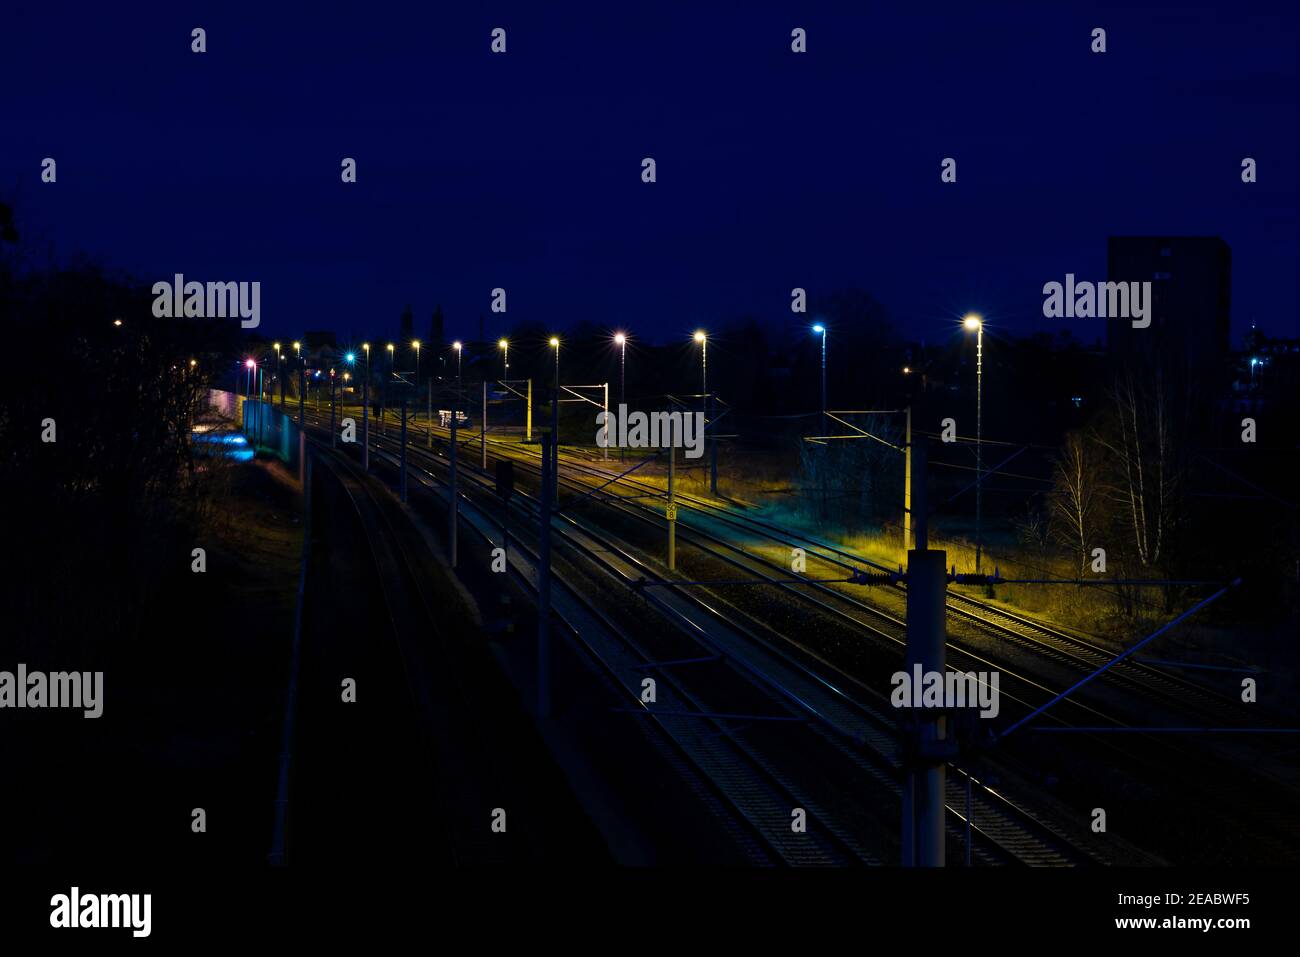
<point>775,170</point>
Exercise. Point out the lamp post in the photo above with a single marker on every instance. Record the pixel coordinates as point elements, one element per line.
<point>555,344</point>
<point>620,340</point>
<point>975,324</point>
<point>279,372</point>
<point>555,425</point>
<point>416,344</point>
<point>460,349</point>
<point>504,346</point>
<point>821,330</point>
<point>703,340</point>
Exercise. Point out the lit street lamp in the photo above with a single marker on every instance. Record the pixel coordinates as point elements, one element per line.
<point>504,346</point>
<point>821,330</point>
<point>703,340</point>
<point>975,324</point>
<point>620,340</point>
<point>460,348</point>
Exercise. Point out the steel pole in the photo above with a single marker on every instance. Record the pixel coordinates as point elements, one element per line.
<point>544,583</point>
<point>926,638</point>
<point>907,483</point>
<point>979,444</point>
<point>672,496</point>
<point>402,482</point>
<point>365,425</point>
<point>453,506</point>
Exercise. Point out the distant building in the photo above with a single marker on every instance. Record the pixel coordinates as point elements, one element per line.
<point>1191,286</point>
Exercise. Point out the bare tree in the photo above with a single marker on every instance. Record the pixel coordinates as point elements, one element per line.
<point>1075,496</point>
<point>1146,472</point>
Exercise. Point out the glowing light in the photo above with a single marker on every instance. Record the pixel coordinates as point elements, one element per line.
<point>972,322</point>
<point>117,322</point>
<point>503,344</point>
<point>250,363</point>
<point>351,357</point>
<point>416,344</point>
<point>555,342</point>
<point>700,336</point>
<point>819,328</point>
<point>297,345</point>
<point>193,363</point>
<point>276,346</point>
<point>456,345</point>
<point>390,347</point>
<point>619,338</point>
<point>907,370</point>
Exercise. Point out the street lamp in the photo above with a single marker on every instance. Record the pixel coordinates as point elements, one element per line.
<point>460,349</point>
<point>416,344</point>
<point>703,340</point>
<point>620,340</point>
<point>390,357</point>
<point>555,413</point>
<point>504,346</point>
<point>821,330</point>
<point>279,371</point>
<point>975,324</point>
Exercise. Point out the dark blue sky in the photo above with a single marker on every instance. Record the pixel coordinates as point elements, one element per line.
<point>774,170</point>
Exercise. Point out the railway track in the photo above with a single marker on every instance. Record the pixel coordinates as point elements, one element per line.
<point>1171,759</point>
<point>1075,652</point>
<point>1003,832</point>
